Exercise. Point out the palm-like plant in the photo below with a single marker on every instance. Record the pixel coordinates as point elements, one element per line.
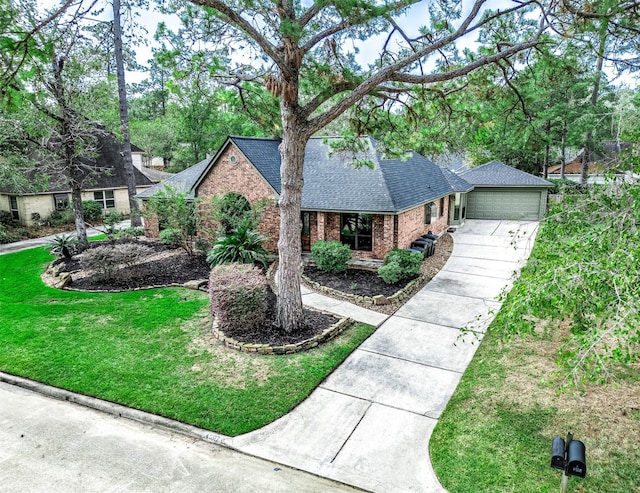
<point>62,245</point>
<point>244,246</point>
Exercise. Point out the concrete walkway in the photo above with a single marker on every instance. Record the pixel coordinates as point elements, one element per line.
<point>369,423</point>
<point>44,240</point>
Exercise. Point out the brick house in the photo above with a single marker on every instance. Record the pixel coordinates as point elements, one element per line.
<point>371,209</point>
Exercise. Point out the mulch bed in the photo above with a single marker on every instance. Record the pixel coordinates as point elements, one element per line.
<point>355,281</point>
<point>314,323</point>
<point>176,267</point>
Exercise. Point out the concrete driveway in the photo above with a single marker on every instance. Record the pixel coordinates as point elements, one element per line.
<point>369,423</point>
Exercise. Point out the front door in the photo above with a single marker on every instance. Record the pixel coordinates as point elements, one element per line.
<point>305,237</point>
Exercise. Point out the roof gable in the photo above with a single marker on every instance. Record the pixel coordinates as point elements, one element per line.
<point>495,173</point>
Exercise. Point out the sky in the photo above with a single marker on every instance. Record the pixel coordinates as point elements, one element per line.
<point>368,50</point>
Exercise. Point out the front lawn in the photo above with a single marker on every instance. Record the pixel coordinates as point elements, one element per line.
<point>495,434</point>
<point>149,350</point>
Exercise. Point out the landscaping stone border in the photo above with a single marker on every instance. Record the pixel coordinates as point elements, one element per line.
<point>397,297</point>
<point>53,278</point>
<point>325,336</point>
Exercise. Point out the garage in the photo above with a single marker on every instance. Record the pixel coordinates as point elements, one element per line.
<point>503,192</point>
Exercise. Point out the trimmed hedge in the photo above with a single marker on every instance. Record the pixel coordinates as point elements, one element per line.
<point>238,295</point>
<point>331,256</point>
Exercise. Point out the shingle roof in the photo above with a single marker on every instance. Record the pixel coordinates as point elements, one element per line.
<point>108,165</point>
<point>458,184</point>
<point>182,182</point>
<point>499,174</point>
<point>331,182</point>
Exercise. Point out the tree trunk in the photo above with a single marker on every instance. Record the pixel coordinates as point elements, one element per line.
<point>124,117</point>
<point>290,314</point>
<point>594,96</point>
<point>547,152</point>
<point>81,227</point>
<point>564,149</point>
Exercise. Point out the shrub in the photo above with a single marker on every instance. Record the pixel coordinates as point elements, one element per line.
<point>111,220</point>
<point>115,262</point>
<point>400,264</point>
<point>61,217</point>
<point>175,211</point>
<point>243,246</point>
<point>62,245</point>
<point>203,246</point>
<point>92,211</point>
<point>331,256</point>
<point>390,273</point>
<point>8,236</point>
<point>171,237</point>
<point>132,233</point>
<point>6,219</point>
<point>238,295</point>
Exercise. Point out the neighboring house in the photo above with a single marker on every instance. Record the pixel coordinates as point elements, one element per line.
<point>371,209</point>
<point>503,192</point>
<point>107,186</point>
<point>599,164</point>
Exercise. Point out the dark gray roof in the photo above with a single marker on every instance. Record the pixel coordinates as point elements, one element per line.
<point>458,184</point>
<point>331,182</point>
<point>454,161</point>
<point>105,170</point>
<point>265,156</point>
<point>497,174</point>
<point>182,182</point>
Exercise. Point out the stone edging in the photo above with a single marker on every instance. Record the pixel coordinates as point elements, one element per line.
<point>326,335</point>
<point>57,280</point>
<point>397,297</point>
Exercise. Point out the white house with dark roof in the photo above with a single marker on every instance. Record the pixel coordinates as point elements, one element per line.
<point>48,191</point>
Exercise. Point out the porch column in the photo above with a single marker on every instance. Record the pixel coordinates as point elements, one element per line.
<point>321,222</point>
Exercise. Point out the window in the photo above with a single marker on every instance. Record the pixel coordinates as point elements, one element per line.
<point>105,199</point>
<point>429,213</point>
<point>60,201</point>
<point>441,207</point>
<point>356,231</point>
<point>13,206</point>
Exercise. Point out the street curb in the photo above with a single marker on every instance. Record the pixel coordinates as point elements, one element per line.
<point>143,417</point>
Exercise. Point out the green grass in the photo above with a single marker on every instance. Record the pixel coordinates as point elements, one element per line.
<point>149,350</point>
<point>495,434</point>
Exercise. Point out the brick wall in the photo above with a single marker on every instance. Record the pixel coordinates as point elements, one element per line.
<point>411,224</point>
<point>242,178</point>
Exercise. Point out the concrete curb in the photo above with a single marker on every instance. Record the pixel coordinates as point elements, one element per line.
<point>149,419</point>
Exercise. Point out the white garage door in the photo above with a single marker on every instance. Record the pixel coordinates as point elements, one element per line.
<point>500,203</point>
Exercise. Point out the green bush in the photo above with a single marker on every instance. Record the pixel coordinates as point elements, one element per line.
<point>92,212</point>
<point>390,273</point>
<point>203,245</point>
<point>243,246</point>
<point>131,233</point>
<point>8,236</point>
<point>171,237</point>
<point>175,211</point>
<point>564,185</point>
<point>61,217</point>
<point>238,295</point>
<point>331,256</point>
<point>400,264</point>
<point>110,221</point>
<point>6,219</point>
